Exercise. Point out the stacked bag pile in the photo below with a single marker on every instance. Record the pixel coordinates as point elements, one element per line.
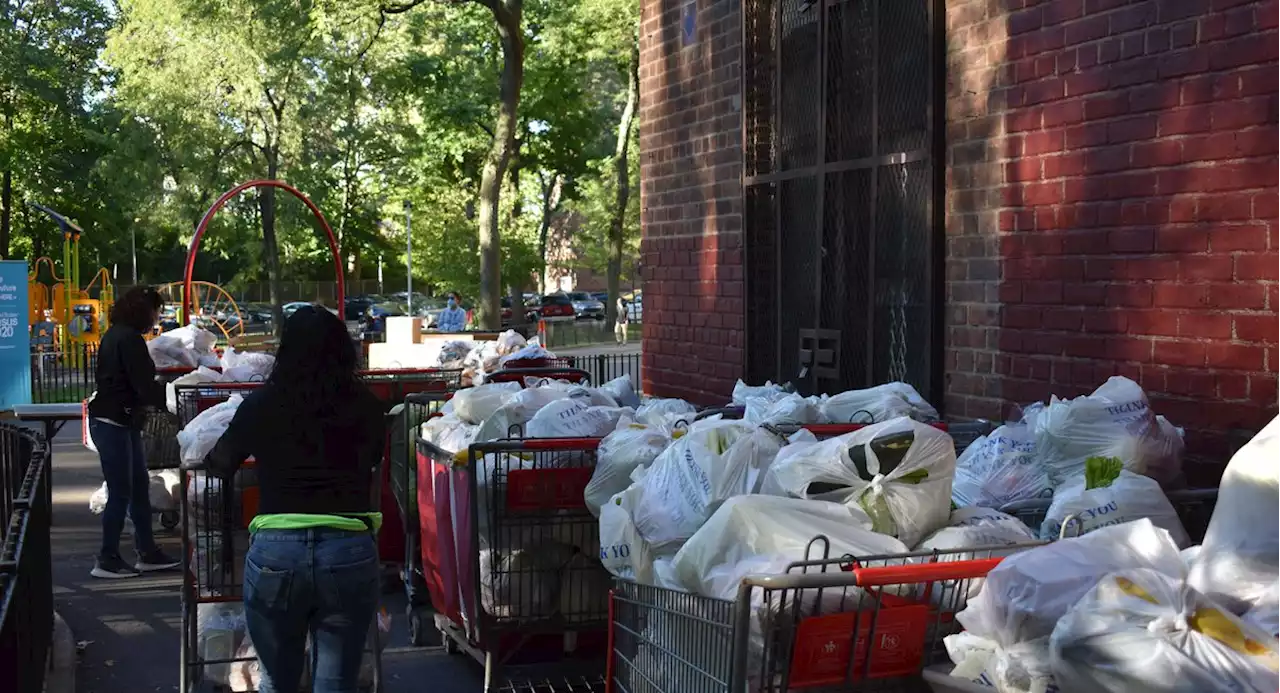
<point>184,347</point>
<point>531,571</point>
<point>1047,455</point>
<point>479,359</point>
<point>1123,610</point>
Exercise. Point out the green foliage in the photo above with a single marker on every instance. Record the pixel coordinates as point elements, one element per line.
<point>132,117</point>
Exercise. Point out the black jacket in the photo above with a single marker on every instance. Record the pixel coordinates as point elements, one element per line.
<point>315,466</point>
<point>126,378</point>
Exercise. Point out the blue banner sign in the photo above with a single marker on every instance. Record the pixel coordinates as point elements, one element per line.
<point>15,339</point>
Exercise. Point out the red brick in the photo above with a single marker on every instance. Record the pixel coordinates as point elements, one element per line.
<point>1238,296</point>
<point>1179,353</point>
<point>1257,266</point>
<point>1234,357</point>
<point>1130,295</point>
<point>1204,325</point>
<point>1233,238</point>
<point>1159,323</point>
<point>1181,295</point>
<point>1232,386</point>
<point>1205,268</point>
<point>1182,240</point>
<point>1257,328</point>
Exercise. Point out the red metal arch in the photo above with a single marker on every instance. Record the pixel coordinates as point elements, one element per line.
<point>226,197</point>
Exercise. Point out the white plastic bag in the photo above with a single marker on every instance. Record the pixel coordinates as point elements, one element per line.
<point>1025,596</point>
<point>1021,668</point>
<point>474,405</point>
<point>789,410</point>
<point>98,501</point>
<point>518,408</point>
<point>1000,468</point>
<point>750,535</point>
<point>1114,421</point>
<point>247,365</point>
<point>686,483</point>
<point>744,393</point>
<point>531,351</point>
<point>662,407</point>
<point>199,375</point>
<point>1129,497</point>
<point>1140,631</point>
<point>199,436</point>
<point>876,404</point>
<point>573,418</point>
<point>972,528</point>
<point>219,627</point>
<point>623,391</point>
<point>168,351</point>
<point>510,342</point>
<point>1238,560</point>
<point>899,472</point>
<point>629,447</point>
<point>449,433</point>
<point>164,490</point>
<point>623,552</point>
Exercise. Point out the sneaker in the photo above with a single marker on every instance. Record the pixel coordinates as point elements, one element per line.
<point>155,560</point>
<point>112,568</point>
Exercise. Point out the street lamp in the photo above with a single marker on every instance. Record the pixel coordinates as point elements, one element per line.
<point>408,253</point>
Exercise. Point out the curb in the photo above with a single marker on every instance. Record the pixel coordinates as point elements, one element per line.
<point>61,676</point>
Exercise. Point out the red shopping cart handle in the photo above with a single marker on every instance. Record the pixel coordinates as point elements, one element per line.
<point>404,371</point>
<point>543,444</point>
<point>882,576</point>
<point>841,429</point>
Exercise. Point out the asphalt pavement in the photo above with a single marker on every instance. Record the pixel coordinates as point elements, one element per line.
<point>128,630</point>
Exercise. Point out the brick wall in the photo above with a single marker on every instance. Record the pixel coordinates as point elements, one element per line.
<point>1112,206</point>
<point>691,198</point>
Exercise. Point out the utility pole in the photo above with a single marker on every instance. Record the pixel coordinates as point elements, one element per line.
<point>408,253</point>
<point>133,249</point>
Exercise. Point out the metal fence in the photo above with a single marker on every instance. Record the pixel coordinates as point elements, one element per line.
<point>63,375</point>
<point>606,367</point>
<point>26,568</point>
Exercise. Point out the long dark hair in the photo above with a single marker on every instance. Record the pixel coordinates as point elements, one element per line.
<point>315,367</point>
<point>137,308</point>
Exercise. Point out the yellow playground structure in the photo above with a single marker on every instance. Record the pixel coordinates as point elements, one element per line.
<point>80,318</point>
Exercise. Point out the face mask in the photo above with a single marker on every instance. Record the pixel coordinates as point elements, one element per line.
<point>453,303</point>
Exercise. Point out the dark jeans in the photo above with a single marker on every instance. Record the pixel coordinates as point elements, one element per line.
<point>318,581</point>
<point>128,486</point>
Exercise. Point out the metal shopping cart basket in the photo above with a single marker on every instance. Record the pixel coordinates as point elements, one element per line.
<point>834,624</point>
<point>509,553</point>
<point>520,375</point>
<point>393,385</point>
<point>215,651</point>
<point>1194,508</point>
<point>405,427</point>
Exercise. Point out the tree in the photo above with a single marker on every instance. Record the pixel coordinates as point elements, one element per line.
<point>507,16</point>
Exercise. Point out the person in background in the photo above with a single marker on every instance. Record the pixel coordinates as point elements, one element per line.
<point>126,387</point>
<point>453,318</point>
<point>316,434</point>
<point>620,325</point>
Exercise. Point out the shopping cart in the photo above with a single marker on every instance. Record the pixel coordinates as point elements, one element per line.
<point>509,557</point>
<point>393,385</point>
<point>403,471</point>
<point>1194,508</point>
<point>963,433</point>
<point>520,375</point>
<point>833,624</point>
<point>215,516</point>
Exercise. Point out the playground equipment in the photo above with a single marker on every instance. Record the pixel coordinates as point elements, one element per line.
<point>211,308</point>
<point>81,318</point>
<point>188,293</point>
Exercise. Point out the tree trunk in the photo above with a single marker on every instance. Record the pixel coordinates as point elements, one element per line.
<point>507,16</point>
<point>6,188</point>
<point>270,246</point>
<point>623,172</point>
<point>550,205</point>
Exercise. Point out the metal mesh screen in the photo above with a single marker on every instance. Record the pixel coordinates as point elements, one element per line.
<point>903,324</point>
<point>762,289</point>
<point>799,255</point>
<point>841,194</point>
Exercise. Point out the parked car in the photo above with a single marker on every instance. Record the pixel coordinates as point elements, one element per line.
<point>356,307</point>
<point>601,296</point>
<point>556,308</point>
<point>293,306</point>
<point>585,307</point>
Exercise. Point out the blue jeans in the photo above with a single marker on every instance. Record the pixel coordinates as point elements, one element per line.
<point>318,581</point>
<point>128,486</point>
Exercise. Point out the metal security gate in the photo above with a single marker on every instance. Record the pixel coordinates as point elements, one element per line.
<point>842,163</point>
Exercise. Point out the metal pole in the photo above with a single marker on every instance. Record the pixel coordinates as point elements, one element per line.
<point>408,253</point>
<point>379,274</point>
<point>133,252</point>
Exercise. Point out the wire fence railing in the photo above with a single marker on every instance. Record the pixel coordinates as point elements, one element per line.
<point>26,567</point>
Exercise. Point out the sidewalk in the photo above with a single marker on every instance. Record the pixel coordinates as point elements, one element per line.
<point>129,629</point>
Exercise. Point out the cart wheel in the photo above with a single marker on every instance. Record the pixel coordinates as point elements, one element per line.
<point>169,520</point>
<point>448,643</point>
<point>417,629</point>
